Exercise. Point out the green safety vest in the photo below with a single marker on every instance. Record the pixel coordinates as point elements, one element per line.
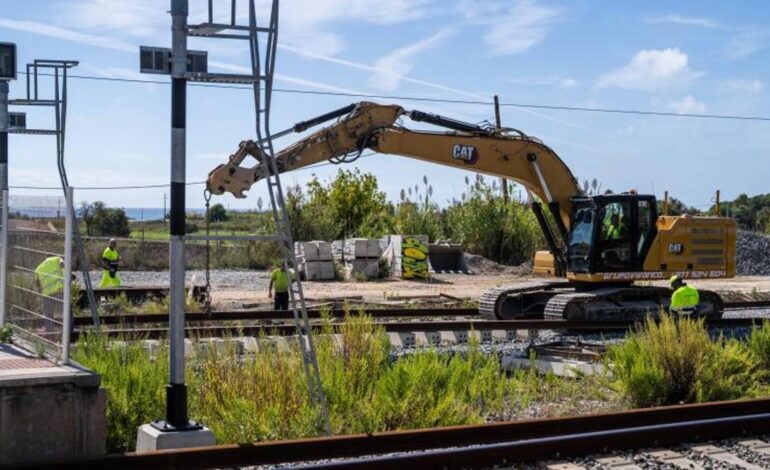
<point>684,298</point>
<point>50,275</point>
<point>281,280</point>
<point>110,255</point>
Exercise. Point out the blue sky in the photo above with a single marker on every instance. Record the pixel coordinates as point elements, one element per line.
<point>681,57</point>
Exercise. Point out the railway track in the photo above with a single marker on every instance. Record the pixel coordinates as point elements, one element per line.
<point>270,315</point>
<point>226,331</point>
<point>473,446</point>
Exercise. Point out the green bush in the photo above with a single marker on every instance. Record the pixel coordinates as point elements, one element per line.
<point>486,225</point>
<point>759,344</point>
<point>135,385</point>
<point>102,221</point>
<point>6,334</point>
<point>217,213</point>
<point>676,361</point>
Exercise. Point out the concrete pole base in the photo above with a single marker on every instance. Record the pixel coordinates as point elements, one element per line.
<point>149,438</point>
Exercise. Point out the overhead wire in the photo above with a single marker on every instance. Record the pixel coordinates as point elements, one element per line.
<point>437,100</point>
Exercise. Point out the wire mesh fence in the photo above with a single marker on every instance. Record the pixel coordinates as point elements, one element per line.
<point>38,264</point>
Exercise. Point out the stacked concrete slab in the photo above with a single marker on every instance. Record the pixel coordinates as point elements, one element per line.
<point>360,256</point>
<point>407,256</point>
<point>315,260</point>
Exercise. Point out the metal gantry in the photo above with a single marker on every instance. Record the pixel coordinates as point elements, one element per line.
<point>185,65</point>
<point>263,41</point>
<point>57,70</point>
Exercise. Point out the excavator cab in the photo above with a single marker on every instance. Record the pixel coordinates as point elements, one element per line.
<point>610,233</point>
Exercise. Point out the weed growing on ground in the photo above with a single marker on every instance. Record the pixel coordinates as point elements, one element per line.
<point>264,396</point>
<point>675,361</point>
<point>134,381</point>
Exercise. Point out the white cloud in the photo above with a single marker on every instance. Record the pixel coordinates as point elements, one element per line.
<point>520,28</point>
<point>139,18</point>
<point>43,29</point>
<point>314,24</point>
<point>747,43</point>
<point>687,21</point>
<point>688,105</point>
<point>744,86</point>
<point>392,67</point>
<point>552,80</point>
<point>651,70</point>
<point>510,27</point>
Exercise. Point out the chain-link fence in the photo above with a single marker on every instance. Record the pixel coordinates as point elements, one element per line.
<point>39,271</point>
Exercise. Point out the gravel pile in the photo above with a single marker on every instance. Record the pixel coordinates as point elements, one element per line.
<point>480,265</point>
<point>753,253</point>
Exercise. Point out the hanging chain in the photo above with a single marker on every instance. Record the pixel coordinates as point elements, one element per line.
<point>207,289</point>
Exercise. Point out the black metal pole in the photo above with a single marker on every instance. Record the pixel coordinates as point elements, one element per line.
<point>176,391</point>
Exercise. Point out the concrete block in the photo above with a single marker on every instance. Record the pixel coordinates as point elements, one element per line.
<point>150,439</point>
<point>407,339</point>
<point>428,338</point>
<point>499,335</point>
<point>454,337</point>
<point>486,336</point>
<point>324,251</point>
<point>250,344</point>
<point>312,270</point>
<point>327,271</point>
<point>51,413</point>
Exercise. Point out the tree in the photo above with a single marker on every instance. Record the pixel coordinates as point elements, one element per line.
<point>352,201</point>
<point>217,213</point>
<point>677,207</point>
<point>102,221</point>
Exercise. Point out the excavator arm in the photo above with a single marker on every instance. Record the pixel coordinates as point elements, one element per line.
<point>498,152</point>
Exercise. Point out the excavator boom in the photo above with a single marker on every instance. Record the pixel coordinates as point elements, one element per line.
<point>498,152</point>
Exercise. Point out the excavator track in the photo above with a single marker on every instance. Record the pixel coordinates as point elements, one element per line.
<point>519,301</point>
<point>560,301</point>
<point>623,303</point>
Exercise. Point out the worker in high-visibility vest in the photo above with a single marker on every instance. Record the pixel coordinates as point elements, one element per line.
<point>612,228</point>
<point>280,280</point>
<point>685,299</point>
<point>49,277</point>
<point>110,259</point>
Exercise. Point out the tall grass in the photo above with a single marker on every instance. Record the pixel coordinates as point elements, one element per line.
<point>134,381</point>
<point>675,361</point>
<point>251,397</point>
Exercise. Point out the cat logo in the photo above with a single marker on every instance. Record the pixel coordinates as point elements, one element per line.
<point>466,153</point>
<point>676,248</point>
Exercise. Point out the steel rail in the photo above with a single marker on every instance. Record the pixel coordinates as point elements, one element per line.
<point>407,327</point>
<point>332,313</point>
<point>280,315</point>
<point>507,442</point>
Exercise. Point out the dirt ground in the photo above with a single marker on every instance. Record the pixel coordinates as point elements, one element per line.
<point>455,285</point>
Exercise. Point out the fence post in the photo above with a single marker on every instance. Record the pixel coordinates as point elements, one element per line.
<point>67,300</point>
<point>3,254</point>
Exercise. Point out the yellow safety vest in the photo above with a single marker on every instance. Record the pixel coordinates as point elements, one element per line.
<point>685,298</point>
<point>110,255</point>
<point>50,275</point>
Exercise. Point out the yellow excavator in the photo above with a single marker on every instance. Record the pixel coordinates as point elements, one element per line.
<point>601,244</point>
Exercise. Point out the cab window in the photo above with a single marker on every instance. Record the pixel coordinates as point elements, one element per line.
<point>615,237</point>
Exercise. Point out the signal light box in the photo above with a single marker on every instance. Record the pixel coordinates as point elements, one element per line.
<point>7,61</point>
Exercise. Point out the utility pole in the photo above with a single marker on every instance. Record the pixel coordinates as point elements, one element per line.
<point>177,430</point>
<point>176,391</point>
<point>503,181</point>
<point>164,206</point>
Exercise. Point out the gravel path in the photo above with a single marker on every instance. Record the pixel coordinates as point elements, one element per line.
<point>220,279</point>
